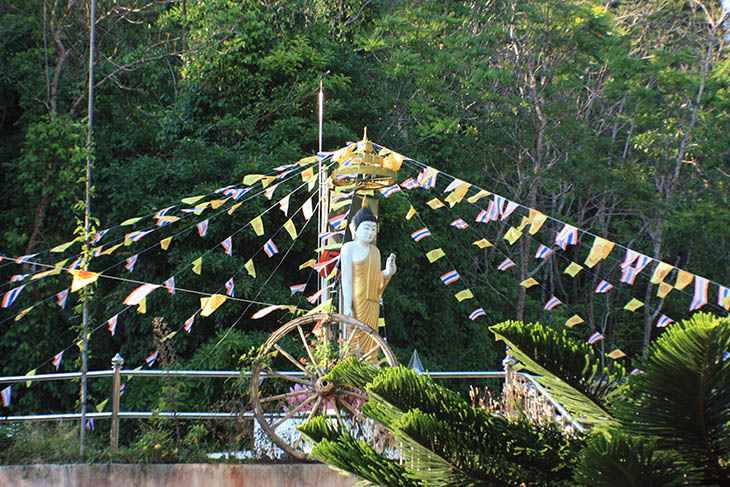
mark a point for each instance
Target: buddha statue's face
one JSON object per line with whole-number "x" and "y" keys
{"x": 366, "y": 232}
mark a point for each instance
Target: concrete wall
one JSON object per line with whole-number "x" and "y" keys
{"x": 173, "y": 475}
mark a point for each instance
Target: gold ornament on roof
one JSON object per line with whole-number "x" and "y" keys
{"x": 358, "y": 164}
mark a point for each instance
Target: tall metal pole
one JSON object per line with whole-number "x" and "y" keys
{"x": 323, "y": 195}
{"x": 87, "y": 218}
{"x": 117, "y": 363}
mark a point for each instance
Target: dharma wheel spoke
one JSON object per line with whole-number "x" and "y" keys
{"x": 284, "y": 396}
{"x": 294, "y": 411}
{"x": 291, "y": 359}
{"x": 272, "y": 373}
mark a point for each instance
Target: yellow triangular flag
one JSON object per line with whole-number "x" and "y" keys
{"x": 23, "y": 313}
{"x": 142, "y": 306}
{"x": 684, "y": 278}
{"x": 332, "y": 274}
{"x": 202, "y": 206}
{"x": 167, "y": 218}
{"x": 30, "y": 374}
{"x": 306, "y": 160}
{"x": 250, "y": 268}
{"x": 616, "y": 354}
{"x": 100, "y": 407}
{"x": 308, "y": 263}
{"x": 215, "y": 204}
{"x": 661, "y": 271}
{"x": 529, "y": 282}
{"x": 633, "y": 305}
{"x": 82, "y": 278}
{"x": 411, "y": 212}
{"x": 434, "y": 255}
{"x": 197, "y": 265}
{"x": 208, "y": 305}
{"x": 461, "y": 191}
{"x": 192, "y": 199}
{"x": 266, "y": 181}
{"x": 250, "y": 179}
{"x": 291, "y": 229}
{"x": 573, "y": 320}
{"x": 664, "y": 289}
{"x": 481, "y": 194}
{"x": 536, "y": 221}
{"x": 131, "y": 221}
{"x": 168, "y": 336}
{"x": 127, "y": 241}
{"x": 112, "y": 249}
{"x": 381, "y": 323}
{"x": 512, "y": 235}
{"x": 307, "y": 174}
{"x": 320, "y": 307}
{"x": 435, "y": 204}
{"x": 60, "y": 265}
{"x": 234, "y": 208}
{"x": 62, "y": 247}
{"x": 165, "y": 243}
{"x": 600, "y": 250}
{"x": 339, "y": 204}
{"x": 464, "y": 294}
{"x": 523, "y": 223}
{"x": 258, "y": 225}
{"x": 573, "y": 269}
{"x": 483, "y": 243}
{"x": 52, "y": 272}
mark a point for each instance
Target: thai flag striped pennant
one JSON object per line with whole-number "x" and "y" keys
{"x": 663, "y": 321}
{"x": 151, "y": 359}
{"x": 552, "y": 304}
{"x": 460, "y": 224}
{"x": 595, "y": 337}
{"x": 506, "y": 264}
{"x": 270, "y": 248}
{"x": 543, "y": 252}
{"x": 387, "y": 192}
{"x": 603, "y": 287}
{"x": 450, "y": 277}
{"x": 231, "y": 287}
{"x": 298, "y": 288}
{"x": 477, "y": 313}
{"x": 419, "y": 235}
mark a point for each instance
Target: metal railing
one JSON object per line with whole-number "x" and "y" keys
{"x": 116, "y": 372}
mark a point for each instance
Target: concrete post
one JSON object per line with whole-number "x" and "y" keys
{"x": 117, "y": 363}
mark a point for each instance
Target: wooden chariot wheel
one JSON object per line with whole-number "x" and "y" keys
{"x": 311, "y": 346}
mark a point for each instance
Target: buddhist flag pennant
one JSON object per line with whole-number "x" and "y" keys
{"x": 57, "y": 360}
{"x": 595, "y": 337}
{"x": 434, "y": 255}
{"x": 208, "y": 305}
{"x": 663, "y": 321}
{"x": 163, "y": 211}
{"x": 616, "y": 354}
{"x": 482, "y": 217}
{"x": 450, "y": 277}
{"x": 197, "y": 265}
{"x": 477, "y": 313}
{"x": 151, "y": 359}
{"x": 284, "y": 205}
{"x": 170, "y": 285}
{"x": 6, "y": 394}
{"x": 529, "y": 282}
{"x": 567, "y": 236}
{"x": 258, "y": 226}
{"x": 189, "y": 323}
{"x": 231, "y": 287}
{"x": 483, "y": 243}
{"x": 723, "y": 297}
{"x": 82, "y": 279}
{"x": 573, "y": 320}
{"x": 664, "y": 289}
{"x": 631, "y": 256}
{"x": 112, "y": 324}
{"x": 628, "y": 275}
{"x": 633, "y": 305}
{"x": 269, "y": 309}
{"x": 506, "y": 264}
{"x": 599, "y": 251}
{"x": 233, "y": 208}
{"x": 573, "y": 269}
{"x": 464, "y": 294}
{"x": 460, "y": 224}
{"x": 660, "y": 272}
{"x": 552, "y": 304}
{"x": 62, "y": 297}
{"x": 203, "y": 228}
{"x": 543, "y": 252}
{"x": 130, "y": 262}
{"x": 140, "y": 293}
{"x": 338, "y": 222}
{"x": 24, "y": 258}
{"x": 419, "y": 235}
{"x": 409, "y": 184}
{"x": 509, "y": 209}
{"x": 411, "y": 213}
{"x": 314, "y": 297}
{"x": 700, "y": 295}
{"x": 250, "y": 268}
{"x": 536, "y": 220}
{"x": 307, "y": 210}
{"x": 476, "y": 197}
{"x": 388, "y": 192}
{"x": 269, "y": 193}
{"x": 512, "y": 235}
{"x": 270, "y": 248}
{"x": 603, "y": 287}
{"x": 684, "y": 279}
{"x": 291, "y": 229}
{"x": 298, "y": 288}
{"x": 227, "y": 245}
{"x": 99, "y": 235}
{"x": 435, "y": 204}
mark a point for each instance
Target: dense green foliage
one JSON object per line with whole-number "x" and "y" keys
{"x": 609, "y": 116}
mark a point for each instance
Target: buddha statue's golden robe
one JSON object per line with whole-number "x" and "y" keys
{"x": 368, "y": 284}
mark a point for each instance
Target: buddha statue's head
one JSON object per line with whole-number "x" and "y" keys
{"x": 364, "y": 225}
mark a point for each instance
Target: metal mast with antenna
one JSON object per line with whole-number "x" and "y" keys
{"x": 323, "y": 195}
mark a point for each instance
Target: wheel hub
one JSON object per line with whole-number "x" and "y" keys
{"x": 324, "y": 387}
